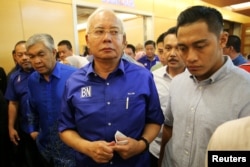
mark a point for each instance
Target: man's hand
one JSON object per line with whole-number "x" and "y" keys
{"x": 14, "y": 137}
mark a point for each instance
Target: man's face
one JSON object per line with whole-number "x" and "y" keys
{"x": 64, "y": 51}
{"x": 43, "y": 60}
{"x": 172, "y": 54}
{"x": 105, "y": 39}
{"x": 150, "y": 50}
{"x": 22, "y": 58}
{"x": 200, "y": 49}
{"x": 129, "y": 52}
{"x": 160, "y": 51}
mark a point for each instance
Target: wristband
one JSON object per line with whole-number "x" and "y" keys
{"x": 146, "y": 143}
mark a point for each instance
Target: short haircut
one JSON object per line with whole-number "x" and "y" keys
{"x": 131, "y": 47}
{"x": 65, "y": 42}
{"x": 149, "y": 42}
{"x": 99, "y": 10}
{"x": 160, "y": 38}
{"x": 18, "y": 43}
{"x": 172, "y": 30}
{"x": 46, "y": 39}
{"x": 235, "y": 42}
{"x": 211, "y": 16}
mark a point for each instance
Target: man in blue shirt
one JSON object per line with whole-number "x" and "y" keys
{"x": 45, "y": 87}
{"x": 17, "y": 95}
{"x": 108, "y": 95}
{"x": 150, "y": 59}
{"x": 232, "y": 49}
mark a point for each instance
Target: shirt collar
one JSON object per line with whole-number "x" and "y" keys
{"x": 120, "y": 68}
{"x": 56, "y": 72}
{"x": 219, "y": 74}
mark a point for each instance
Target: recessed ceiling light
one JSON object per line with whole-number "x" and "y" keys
{"x": 241, "y": 6}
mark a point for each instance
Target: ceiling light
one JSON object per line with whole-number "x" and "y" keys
{"x": 241, "y": 6}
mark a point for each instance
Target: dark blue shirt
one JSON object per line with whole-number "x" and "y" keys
{"x": 148, "y": 63}
{"x": 44, "y": 102}
{"x": 239, "y": 60}
{"x": 96, "y": 108}
{"x": 17, "y": 90}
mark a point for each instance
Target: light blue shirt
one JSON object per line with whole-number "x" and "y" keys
{"x": 196, "y": 109}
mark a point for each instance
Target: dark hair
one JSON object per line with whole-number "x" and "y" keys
{"x": 149, "y": 42}
{"x": 171, "y": 30}
{"x": 160, "y": 38}
{"x": 131, "y": 47}
{"x": 86, "y": 51}
{"x": 18, "y": 43}
{"x": 65, "y": 42}
{"x": 235, "y": 42}
{"x": 211, "y": 16}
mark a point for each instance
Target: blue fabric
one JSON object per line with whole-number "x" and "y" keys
{"x": 17, "y": 90}
{"x": 97, "y": 108}
{"x": 147, "y": 63}
{"x": 45, "y": 101}
{"x": 239, "y": 60}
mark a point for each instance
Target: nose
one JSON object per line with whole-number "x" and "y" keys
{"x": 191, "y": 56}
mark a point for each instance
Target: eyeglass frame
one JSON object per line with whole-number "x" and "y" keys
{"x": 101, "y": 32}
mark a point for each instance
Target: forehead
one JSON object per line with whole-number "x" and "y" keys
{"x": 170, "y": 38}
{"x": 193, "y": 32}
{"x": 105, "y": 19}
{"x": 36, "y": 47}
{"x": 20, "y": 46}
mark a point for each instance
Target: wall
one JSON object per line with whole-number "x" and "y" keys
{"x": 23, "y": 18}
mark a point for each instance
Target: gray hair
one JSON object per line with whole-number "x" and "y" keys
{"x": 99, "y": 10}
{"x": 46, "y": 39}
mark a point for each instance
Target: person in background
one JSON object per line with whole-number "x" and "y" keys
{"x": 75, "y": 62}
{"x": 150, "y": 59}
{"x": 94, "y": 107}
{"x": 17, "y": 95}
{"x": 5, "y": 143}
{"x": 160, "y": 49}
{"x": 130, "y": 50}
{"x": 245, "y": 66}
{"x": 232, "y": 49}
{"x": 65, "y": 50}
{"x": 201, "y": 99}
{"x": 139, "y": 51}
{"x": 230, "y": 136}
{"x": 45, "y": 88}
{"x": 163, "y": 77}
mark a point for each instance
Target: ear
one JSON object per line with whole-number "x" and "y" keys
{"x": 223, "y": 39}
{"x": 124, "y": 41}
{"x": 87, "y": 40}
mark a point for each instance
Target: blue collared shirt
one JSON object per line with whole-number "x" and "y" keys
{"x": 96, "y": 108}
{"x": 17, "y": 90}
{"x": 44, "y": 102}
{"x": 239, "y": 60}
{"x": 148, "y": 63}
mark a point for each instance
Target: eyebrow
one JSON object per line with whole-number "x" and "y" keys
{"x": 194, "y": 43}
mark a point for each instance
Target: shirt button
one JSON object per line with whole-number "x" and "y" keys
{"x": 108, "y": 103}
{"x": 111, "y": 163}
{"x": 107, "y": 83}
{"x": 109, "y": 124}
{"x": 186, "y": 152}
{"x": 192, "y": 109}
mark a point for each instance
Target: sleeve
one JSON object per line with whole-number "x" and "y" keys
{"x": 32, "y": 114}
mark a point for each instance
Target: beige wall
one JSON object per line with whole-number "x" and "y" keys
{"x": 22, "y": 18}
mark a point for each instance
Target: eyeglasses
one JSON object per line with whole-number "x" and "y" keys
{"x": 100, "y": 33}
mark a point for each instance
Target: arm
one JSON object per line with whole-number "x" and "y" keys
{"x": 99, "y": 151}
{"x": 12, "y": 115}
{"x": 134, "y": 147}
{"x": 166, "y": 135}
